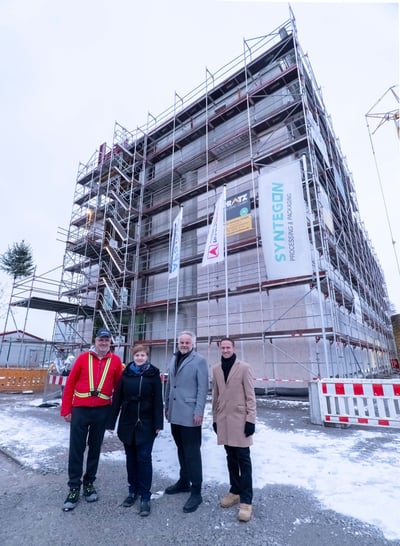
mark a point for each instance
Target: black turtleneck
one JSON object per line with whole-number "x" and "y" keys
{"x": 227, "y": 364}
{"x": 180, "y": 358}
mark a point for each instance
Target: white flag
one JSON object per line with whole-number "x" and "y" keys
{"x": 215, "y": 245}
{"x": 175, "y": 254}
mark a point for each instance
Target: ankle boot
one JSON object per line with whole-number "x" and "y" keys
{"x": 245, "y": 511}
{"x": 144, "y": 508}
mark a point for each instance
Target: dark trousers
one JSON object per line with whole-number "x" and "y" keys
{"x": 188, "y": 442}
{"x": 87, "y": 428}
{"x": 240, "y": 474}
{"x": 139, "y": 468}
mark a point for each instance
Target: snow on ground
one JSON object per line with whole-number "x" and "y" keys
{"x": 354, "y": 474}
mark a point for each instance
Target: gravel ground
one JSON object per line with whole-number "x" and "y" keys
{"x": 30, "y": 509}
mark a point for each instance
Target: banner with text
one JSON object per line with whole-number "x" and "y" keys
{"x": 283, "y": 223}
{"x": 238, "y": 214}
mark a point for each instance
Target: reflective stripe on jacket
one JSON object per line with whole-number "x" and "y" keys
{"x": 95, "y": 391}
{"x": 78, "y": 381}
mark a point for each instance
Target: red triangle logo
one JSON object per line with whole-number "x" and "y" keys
{"x": 213, "y": 251}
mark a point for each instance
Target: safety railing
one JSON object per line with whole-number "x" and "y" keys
{"x": 365, "y": 402}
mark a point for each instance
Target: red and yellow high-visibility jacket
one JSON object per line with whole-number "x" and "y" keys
{"x": 91, "y": 382}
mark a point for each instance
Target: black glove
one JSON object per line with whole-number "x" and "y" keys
{"x": 249, "y": 429}
{"x": 215, "y": 427}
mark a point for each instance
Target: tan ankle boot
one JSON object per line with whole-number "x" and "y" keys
{"x": 245, "y": 511}
{"x": 230, "y": 499}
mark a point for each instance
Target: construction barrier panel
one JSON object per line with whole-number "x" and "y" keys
{"x": 366, "y": 402}
{"x": 20, "y": 380}
{"x": 53, "y": 387}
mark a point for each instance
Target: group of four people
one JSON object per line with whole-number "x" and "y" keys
{"x": 99, "y": 391}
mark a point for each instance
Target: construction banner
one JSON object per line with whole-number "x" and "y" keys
{"x": 283, "y": 224}
{"x": 238, "y": 215}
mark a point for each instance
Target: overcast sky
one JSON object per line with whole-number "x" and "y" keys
{"x": 69, "y": 70}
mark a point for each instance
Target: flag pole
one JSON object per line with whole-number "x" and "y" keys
{"x": 226, "y": 267}
{"x": 176, "y": 309}
{"x": 215, "y": 250}
{"x": 178, "y": 235}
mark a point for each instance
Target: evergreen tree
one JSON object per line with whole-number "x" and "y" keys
{"x": 17, "y": 261}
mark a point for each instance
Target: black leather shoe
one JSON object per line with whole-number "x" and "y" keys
{"x": 144, "y": 508}
{"x": 178, "y": 487}
{"x": 130, "y": 500}
{"x": 192, "y": 503}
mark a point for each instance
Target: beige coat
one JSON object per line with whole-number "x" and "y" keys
{"x": 233, "y": 403}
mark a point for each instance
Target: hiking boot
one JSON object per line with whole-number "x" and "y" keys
{"x": 130, "y": 500}
{"x": 230, "y": 499}
{"x": 72, "y": 500}
{"x": 90, "y": 493}
{"x": 192, "y": 503}
{"x": 178, "y": 487}
{"x": 144, "y": 508}
{"x": 245, "y": 511}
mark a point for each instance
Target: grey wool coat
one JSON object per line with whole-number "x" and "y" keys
{"x": 233, "y": 403}
{"x": 186, "y": 390}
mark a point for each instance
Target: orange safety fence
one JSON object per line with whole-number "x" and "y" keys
{"x": 19, "y": 380}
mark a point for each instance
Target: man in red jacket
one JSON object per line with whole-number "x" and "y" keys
{"x": 86, "y": 404}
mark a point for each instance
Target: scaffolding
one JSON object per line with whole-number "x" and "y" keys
{"x": 260, "y": 111}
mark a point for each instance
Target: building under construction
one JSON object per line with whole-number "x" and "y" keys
{"x": 298, "y": 287}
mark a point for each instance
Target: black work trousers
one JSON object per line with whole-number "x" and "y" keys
{"x": 240, "y": 472}
{"x": 88, "y": 426}
{"x": 188, "y": 443}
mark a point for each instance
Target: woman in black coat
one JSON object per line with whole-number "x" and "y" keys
{"x": 138, "y": 400}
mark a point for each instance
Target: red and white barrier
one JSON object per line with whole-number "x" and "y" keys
{"x": 57, "y": 380}
{"x": 368, "y": 402}
{"x": 275, "y": 380}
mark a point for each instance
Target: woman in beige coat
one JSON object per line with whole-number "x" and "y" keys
{"x": 234, "y": 416}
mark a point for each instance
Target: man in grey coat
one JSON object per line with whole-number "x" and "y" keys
{"x": 185, "y": 400}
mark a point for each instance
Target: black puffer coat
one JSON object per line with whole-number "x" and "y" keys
{"x": 139, "y": 399}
